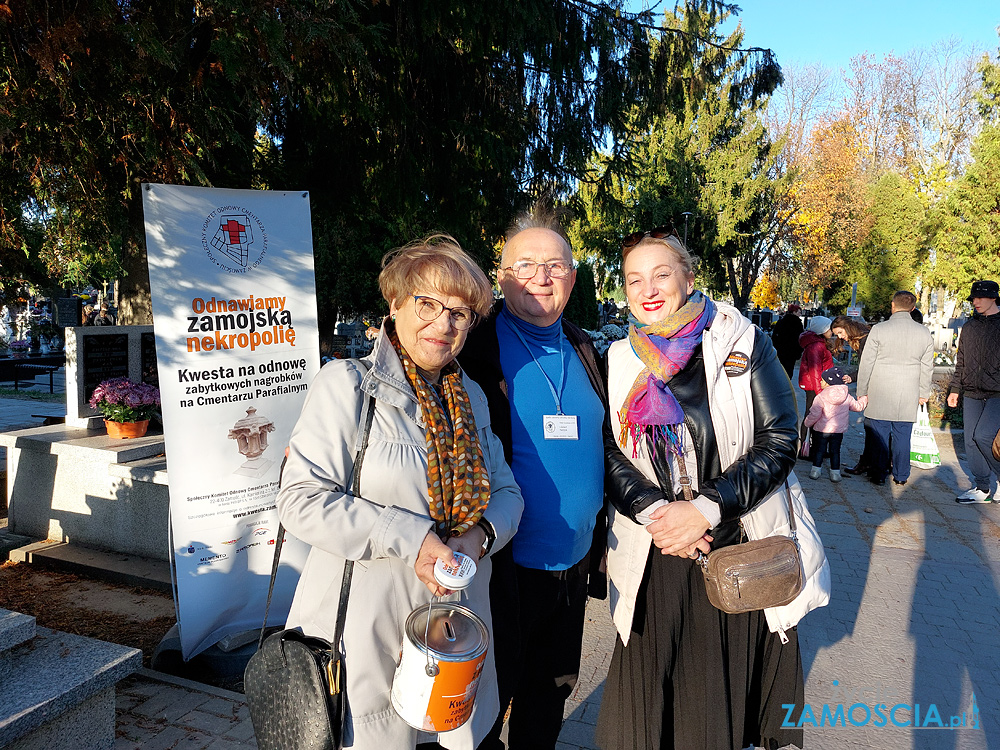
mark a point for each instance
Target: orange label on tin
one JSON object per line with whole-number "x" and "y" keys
{"x": 454, "y": 693}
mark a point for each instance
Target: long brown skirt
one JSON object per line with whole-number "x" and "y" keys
{"x": 694, "y": 677}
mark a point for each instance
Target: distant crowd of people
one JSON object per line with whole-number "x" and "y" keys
{"x": 893, "y": 382}
{"x": 101, "y": 315}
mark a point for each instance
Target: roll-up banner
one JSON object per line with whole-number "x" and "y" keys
{"x": 234, "y": 315}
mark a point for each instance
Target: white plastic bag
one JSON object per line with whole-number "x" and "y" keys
{"x": 924, "y": 452}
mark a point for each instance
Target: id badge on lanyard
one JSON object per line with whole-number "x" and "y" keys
{"x": 560, "y": 427}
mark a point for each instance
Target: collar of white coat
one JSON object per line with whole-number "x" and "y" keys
{"x": 386, "y": 381}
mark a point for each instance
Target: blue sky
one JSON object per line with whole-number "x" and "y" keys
{"x": 830, "y": 33}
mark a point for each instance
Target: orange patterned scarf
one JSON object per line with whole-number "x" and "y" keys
{"x": 458, "y": 483}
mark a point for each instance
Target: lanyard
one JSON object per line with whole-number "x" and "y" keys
{"x": 556, "y": 395}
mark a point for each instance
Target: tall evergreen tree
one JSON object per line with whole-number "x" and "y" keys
{"x": 704, "y": 165}
{"x": 967, "y": 228}
{"x": 399, "y": 116}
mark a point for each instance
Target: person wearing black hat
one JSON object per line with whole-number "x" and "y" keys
{"x": 977, "y": 379}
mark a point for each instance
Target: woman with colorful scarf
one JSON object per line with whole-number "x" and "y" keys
{"x": 704, "y": 429}
{"x": 433, "y": 481}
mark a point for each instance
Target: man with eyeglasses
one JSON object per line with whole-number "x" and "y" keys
{"x": 546, "y": 396}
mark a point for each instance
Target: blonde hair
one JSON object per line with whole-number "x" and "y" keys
{"x": 437, "y": 262}
{"x": 687, "y": 261}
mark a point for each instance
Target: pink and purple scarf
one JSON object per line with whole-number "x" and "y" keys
{"x": 664, "y": 348}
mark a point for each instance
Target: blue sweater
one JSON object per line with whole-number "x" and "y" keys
{"x": 562, "y": 481}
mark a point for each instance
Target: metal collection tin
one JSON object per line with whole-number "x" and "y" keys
{"x": 434, "y": 687}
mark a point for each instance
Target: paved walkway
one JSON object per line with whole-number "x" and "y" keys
{"x": 157, "y": 712}
{"x": 914, "y": 619}
{"x": 16, "y": 414}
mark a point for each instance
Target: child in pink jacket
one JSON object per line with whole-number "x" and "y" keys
{"x": 828, "y": 418}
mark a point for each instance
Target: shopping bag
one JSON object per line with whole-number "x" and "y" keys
{"x": 806, "y": 449}
{"x": 924, "y": 452}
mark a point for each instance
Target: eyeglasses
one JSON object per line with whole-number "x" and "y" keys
{"x": 526, "y": 269}
{"x": 657, "y": 234}
{"x": 430, "y": 309}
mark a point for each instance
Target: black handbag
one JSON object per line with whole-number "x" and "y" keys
{"x": 296, "y": 685}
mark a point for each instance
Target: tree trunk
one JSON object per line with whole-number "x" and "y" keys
{"x": 135, "y": 306}
{"x": 739, "y": 298}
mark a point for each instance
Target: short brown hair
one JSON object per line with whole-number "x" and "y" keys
{"x": 688, "y": 262}
{"x": 904, "y": 301}
{"x": 438, "y": 262}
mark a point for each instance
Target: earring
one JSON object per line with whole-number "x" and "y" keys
{"x": 393, "y": 318}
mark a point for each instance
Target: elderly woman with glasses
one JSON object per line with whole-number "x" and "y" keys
{"x": 704, "y": 431}
{"x": 433, "y": 482}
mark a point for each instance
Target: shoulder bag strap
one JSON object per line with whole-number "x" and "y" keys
{"x": 345, "y": 586}
{"x": 368, "y": 413}
{"x": 685, "y": 482}
{"x": 791, "y": 512}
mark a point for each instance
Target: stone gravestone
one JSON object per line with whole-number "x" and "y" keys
{"x": 95, "y": 354}
{"x": 69, "y": 312}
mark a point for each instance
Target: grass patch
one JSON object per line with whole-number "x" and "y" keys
{"x": 29, "y": 395}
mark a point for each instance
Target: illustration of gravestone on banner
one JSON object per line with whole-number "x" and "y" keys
{"x": 250, "y": 434}
{"x": 96, "y": 354}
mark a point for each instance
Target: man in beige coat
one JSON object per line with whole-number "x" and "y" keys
{"x": 895, "y": 373}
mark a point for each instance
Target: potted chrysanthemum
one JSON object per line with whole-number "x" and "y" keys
{"x": 19, "y": 348}
{"x": 126, "y": 405}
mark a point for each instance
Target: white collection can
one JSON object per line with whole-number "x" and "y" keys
{"x": 434, "y": 687}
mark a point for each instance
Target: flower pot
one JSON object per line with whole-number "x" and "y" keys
{"x": 126, "y": 429}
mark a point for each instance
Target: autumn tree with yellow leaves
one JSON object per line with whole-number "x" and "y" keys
{"x": 765, "y": 292}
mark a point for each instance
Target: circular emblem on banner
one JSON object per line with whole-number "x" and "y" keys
{"x": 234, "y": 239}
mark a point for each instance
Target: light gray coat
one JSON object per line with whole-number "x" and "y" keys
{"x": 896, "y": 368}
{"x": 382, "y": 530}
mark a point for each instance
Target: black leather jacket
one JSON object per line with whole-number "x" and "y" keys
{"x": 750, "y": 479}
